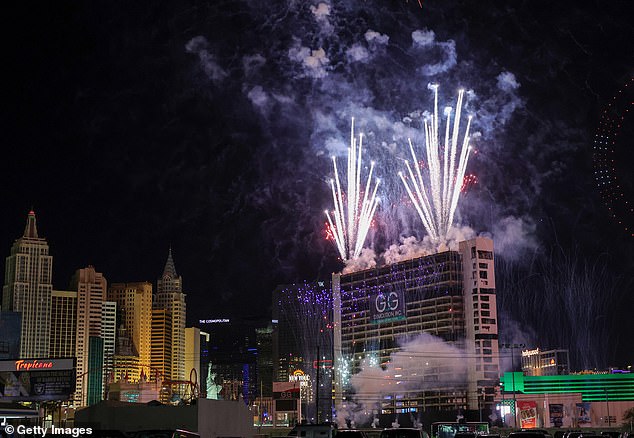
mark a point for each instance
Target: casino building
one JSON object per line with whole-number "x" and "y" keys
{"x": 450, "y": 295}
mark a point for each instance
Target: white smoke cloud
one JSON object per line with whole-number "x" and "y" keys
{"x": 423, "y": 37}
{"x": 198, "y": 45}
{"x": 358, "y": 53}
{"x": 444, "y": 52}
{"x": 258, "y": 97}
{"x": 366, "y": 260}
{"x": 507, "y": 81}
{"x": 321, "y": 13}
{"x": 406, "y": 371}
{"x": 314, "y": 62}
{"x": 372, "y": 36}
{"x": 494, "y": 112}
{"x": 410, "y": 247}
{"x": 513, "y": 236}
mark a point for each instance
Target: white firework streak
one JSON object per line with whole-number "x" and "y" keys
{"x": 353, "y": 218}
{"x": 436, "y": 200}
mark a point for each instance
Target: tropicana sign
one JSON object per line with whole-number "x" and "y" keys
{"x": 26, "y": 365}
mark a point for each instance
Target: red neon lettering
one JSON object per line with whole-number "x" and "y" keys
{"x": 24, "y": 365}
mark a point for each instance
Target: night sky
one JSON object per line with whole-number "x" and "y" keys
{"x": 130, "y": 127}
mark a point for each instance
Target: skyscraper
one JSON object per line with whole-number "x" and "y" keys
{"x": 192, "y": 354}
{"x": 27, "y": 289}
{"x": 449, "y": 295}
{"x": 90, "y": 287}
{"x": 134, "y": 308}
{"x": 170, "y": 297}
{"x": 63, "y": 323}
{"x": 161, "y": 360}
{"x": 108, "y": 333}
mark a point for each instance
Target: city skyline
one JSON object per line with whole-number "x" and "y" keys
{"x": 208, "y": 129}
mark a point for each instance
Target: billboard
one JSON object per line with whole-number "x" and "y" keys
{"x": 286, "y": 396}
{"x": 528, "y": 414}
{"x": 556, "y": 412}
{"x": 286, "y": 390}
{"x": 583, "y": 414}
{"x": 37, "y": 379}
{"x": 387, "y": 306}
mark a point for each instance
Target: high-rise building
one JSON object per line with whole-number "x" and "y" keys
{"x": 91, "y": 288}
{"x": 302, "y": 343}
{"x": 63, "y": 323}
{"x": 449, "y": 295}
{"x": 94, "y": 387}
{"x": 126, "y": 359}
{"x": 192, "y": 354}
{"x": 481, "y": 321}
{"x": 170, "y": 297}
{"x": 204, "y": 363}
{"x": 161, "y": 360}
{"x": 108, "y": 333}
{"x": 264, "y": 339}
{"x": 232, "y": 357}
{"x": 27, "y": 289}
{"x": 134, "y": 309}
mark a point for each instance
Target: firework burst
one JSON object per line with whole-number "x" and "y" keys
{"x": 436, "y": 198}
{"x": 354, "y": 208}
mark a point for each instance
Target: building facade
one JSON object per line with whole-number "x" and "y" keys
{"x": 570, "y": 400}
{"x": 134, "y": 309}
{"x": 108, "y": 333}
{"x": 393, "y": 308}
{"x": 161, "y": 359}
{"x": 171, "y": 299}
{"x": 481, "y": 321}
{"x": 63, "y": 324}
{"x": 192, "y": 355}
{"x": 125, "y": 364}
{"x": 91, "y": 289}
{"x": 536, "y": 362}
{"x": 302, "y": 344}
{"x": 28, "y": 288}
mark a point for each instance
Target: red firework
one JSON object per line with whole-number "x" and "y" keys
{"x": 468, "y": 182}
{"x": 328, "y": 234}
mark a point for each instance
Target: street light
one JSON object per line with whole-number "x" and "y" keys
{"x": 512, "y": 347}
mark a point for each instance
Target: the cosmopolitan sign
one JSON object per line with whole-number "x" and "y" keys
{"x": 387, "y": 306}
